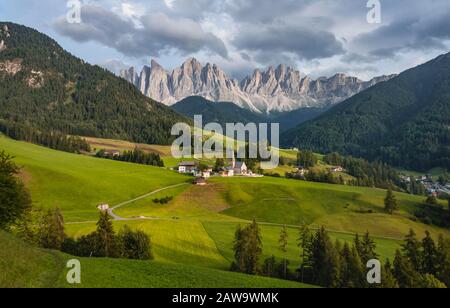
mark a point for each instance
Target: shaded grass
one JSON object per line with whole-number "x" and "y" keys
{"x": 173, "y": 241}
{"x": 99, "y": 273}
{"x": 25, "y": 266}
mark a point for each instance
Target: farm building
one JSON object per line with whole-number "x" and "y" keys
{"x": 103, "y": 207}
{"x": 187, "y": 167}
{"x": 111, "y": 153}
{"x": 201, "y": 181}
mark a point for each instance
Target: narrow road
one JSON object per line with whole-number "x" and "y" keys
{"x": 117, "y": 217}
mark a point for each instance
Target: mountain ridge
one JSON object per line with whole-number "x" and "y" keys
{"x": 45, "y": 88}
{"x": 277, "y": 89}
{"x": 404, "y": 121}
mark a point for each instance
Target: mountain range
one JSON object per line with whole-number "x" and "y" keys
{"x": 278, "y": 89}
{"x": 404, "y": 121}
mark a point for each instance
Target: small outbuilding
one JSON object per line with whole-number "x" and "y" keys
{"x": 201, "y": 181}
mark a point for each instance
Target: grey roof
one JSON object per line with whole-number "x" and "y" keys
{"x": 188, "y": 164}
{"x": 239, "y": 164}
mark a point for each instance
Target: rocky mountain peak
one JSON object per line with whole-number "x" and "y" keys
{"x": 280, "y": 88}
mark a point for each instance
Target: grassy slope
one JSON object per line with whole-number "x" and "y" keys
{"x": 197, "y": 227}
{"x": 142, "y": 274}
{"x": 78, "y": 184}
{"x": 334, "y": 206}
{"x": 22, "y": 265}
{"x": 173, "y": 241}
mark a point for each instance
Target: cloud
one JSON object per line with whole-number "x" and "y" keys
{"x": 157, "y": 34}
{"x": 420, "y": 32}
{"x": 114, "y": 66}
{"x": 312, "y": 35}
{"x": 287, "y": 41}
{"x": 262, "y": 11}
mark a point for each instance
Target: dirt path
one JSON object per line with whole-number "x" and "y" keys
{"x": 117, "y": 217}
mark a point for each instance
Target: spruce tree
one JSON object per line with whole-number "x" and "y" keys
{"x": 239, "y": 250}
{"x": 390, "y": 202}
{"x": 368, "y": 247}
{"x": 411, "y": 249}
{"x": 305, "y": 241}
{"x": 254, "y": 248}
{"x": 106, "y": 245}
{"x": 282, "y": 245}
{"x": 388, "y": 280}
{"x": 352, "y": 268}
{"x": 429, "y": 255}
{"x": 325, "y": 260}
{"x": 443, "y": 262}
{"x": 404, "y": 272}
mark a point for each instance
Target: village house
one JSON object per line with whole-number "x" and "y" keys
{"x": 187, "y": 167}
{"x": 103, "y": 207}
{"x": 227, "y": 172}
{"x": 207, "y": 173}
{"x": 111, "y": 153}
{"x": 301, "y": 171}
{"x": 337, "y": 169}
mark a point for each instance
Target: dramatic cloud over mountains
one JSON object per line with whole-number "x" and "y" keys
{"x": 316, "y": 36}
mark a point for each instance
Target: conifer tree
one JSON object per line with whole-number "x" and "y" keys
{"x": 388, "y": 280}
{"x": 254, "y": 248}
{"x": 390, "y": 202}
{"x": 368, "y": 246}
{"x": 239, "y": 248}
{"x": 325, "y": 260}
{"x": 429, "y": 255}
{"x": 106, "y": 245}
{"x": 283, "y": 242}
{"x": 411, "y": 249}
{"x": 443, "y": 262}
{"x": 404, "y": 272}
{"x": 305, "y": 241}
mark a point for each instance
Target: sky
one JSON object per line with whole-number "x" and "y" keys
{"x": 316, "y": 37}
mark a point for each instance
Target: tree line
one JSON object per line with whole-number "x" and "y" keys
{"x": 135, "y": 156}
{"x": 368, "y": 174}
{"x": 53, "y": 140}
{"x": 419, "y": 264}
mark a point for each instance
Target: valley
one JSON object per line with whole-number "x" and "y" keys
{"x": 197, "y": 227}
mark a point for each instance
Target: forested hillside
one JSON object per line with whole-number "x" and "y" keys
{"x": 404, "y": 122}
{"x": 44, "y": 88}
{"x": 223, "y": 112}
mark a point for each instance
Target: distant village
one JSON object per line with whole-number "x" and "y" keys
{"x": 433, "y": 188}
{"x": 236, "y": 168}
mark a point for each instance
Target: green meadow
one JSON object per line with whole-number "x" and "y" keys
{"x": 78, "y": 184}
{"x": 194, "y": 232}
{"x": 23, "y": 266}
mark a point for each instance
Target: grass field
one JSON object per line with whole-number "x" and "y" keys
{"x": 194, "y": 232}
{"x": 78, "y": 184}
{"x": 24, "y": 266}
